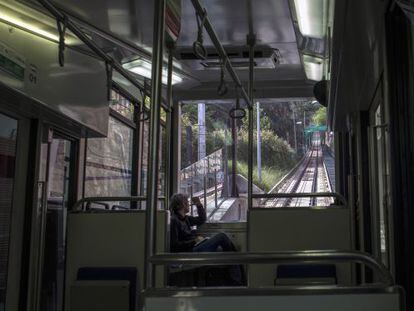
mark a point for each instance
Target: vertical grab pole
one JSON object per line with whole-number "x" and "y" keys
{"x": 152, "y": 189}
{"x": 215, "y": 189}
{"x": 251, "y": 41}
{"x": 205, "y": 191}
{"x": 168, "y": 127}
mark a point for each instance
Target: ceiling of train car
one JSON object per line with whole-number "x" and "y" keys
{"x": 132, "y": 21}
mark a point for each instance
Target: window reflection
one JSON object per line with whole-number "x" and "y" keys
{"x": 109, "y": 163}
{"x": 8, "y": 134}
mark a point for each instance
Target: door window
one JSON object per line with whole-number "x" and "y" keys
{"x": 58, "y": 193}
{"x": 382, "y": 171}
{"x": 8, "y": 134}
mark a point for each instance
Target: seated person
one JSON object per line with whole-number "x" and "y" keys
{"x": 183, "y": 239}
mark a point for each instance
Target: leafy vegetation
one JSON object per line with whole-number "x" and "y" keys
{"x": 270, "y": 175}
{"x": 282, "y": 128}
{"x": 319, "y": 118}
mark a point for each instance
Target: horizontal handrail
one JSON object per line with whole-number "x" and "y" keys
{"x": 336, "y": 195}
{"x": 201, "y": 11}
{"x": 79, "y": 203}
{"x": 316, "y": 256}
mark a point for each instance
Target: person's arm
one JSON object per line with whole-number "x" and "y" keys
{"x": 202, "y": 217}
{"x": 176, "y": 244}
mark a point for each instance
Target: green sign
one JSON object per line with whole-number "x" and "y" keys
{"x": 11, "y": 63}
{"x": 315, "y": 128}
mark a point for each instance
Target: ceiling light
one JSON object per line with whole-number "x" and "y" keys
{"x": 144, "y": 68}
{"x": 312, "y": 17}
{"x": 23, "y": 17}
{"x": 17, "y": 22}
{"x": 313, "y": 67}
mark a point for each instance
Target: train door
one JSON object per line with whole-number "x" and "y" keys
{"x": 380, "y": 182}
{"x": 14, "y": 136}
{"x": 57, "y": 167}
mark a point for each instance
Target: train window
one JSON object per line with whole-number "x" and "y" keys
{"x": 121, "y": 105}
{"x": 382, "y": 183}
{"x": 8, "y": 134}
{"x": 293, "y": 153}
{"x": 60, "y": 160}
{"x": 144, "y": 143}
{"x": 143, "y": 148}
{"x": 289, "y": 146}
{"x": 109, "y": 162}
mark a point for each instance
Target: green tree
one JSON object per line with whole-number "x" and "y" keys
{"x": 265, "y": 122}
{"x": 319, "y": 118}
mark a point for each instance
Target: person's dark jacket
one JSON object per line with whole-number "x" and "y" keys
{"x": 182, "y": 237}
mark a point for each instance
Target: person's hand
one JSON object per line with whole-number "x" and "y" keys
{"x": 196, "y": 201}
{"x": 199, "y": 239}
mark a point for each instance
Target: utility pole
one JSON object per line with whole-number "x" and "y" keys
{"x": 259, "y": 144}
{"x": 294, "y": 131}
{"x": 304, "y": 139}
{"x": 201, "y": 131}
{"x": 234, "y": 191}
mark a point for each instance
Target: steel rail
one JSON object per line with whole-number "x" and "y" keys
{"x": 300, "y": 179}
{"x": 219, "y": 47}
{"x": 315, "y": 256}
{"x": 315, "y": 177}
{"x": 79, "y": 203}
{"x": 288, "y": 176}
{"x": 336, "y": 195}
{"x": 298, "y": 175}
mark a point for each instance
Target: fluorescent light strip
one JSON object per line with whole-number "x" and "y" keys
{"x": 144, "y": 68}
{"x": 310, "y": 15}
{"x": 303, "y": 15}
{"x": 313, "y": 68}
{"x": 26, "y": 26}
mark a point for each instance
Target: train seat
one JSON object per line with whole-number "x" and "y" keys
{"x": 281, "y": 299}
{"x": 104, "y": 288}
{"x": 298, "y": 229}
{"x": 109, "y": 239}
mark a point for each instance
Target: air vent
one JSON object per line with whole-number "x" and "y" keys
{"x": 235, "y": 64}
{"x": 264, "y": 57}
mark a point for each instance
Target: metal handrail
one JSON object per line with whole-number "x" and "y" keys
{"x": 77, "y": 31}
{"x": 336, "y": 195}
{"x": 318, "y": 256}
{"x": 201, "y": 11}
{"x": 79, "y": 203}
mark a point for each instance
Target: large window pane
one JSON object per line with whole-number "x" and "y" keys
{"x": 8, "y": 132}
{"x": 121, "y": 105}
{"x": 144, "y": 157}
{"x": 109, "y": 163}
{"x": 144, "y": 162}
{"x": 292, "y": 153}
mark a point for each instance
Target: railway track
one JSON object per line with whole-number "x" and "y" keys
{"x": 308, "y": 176}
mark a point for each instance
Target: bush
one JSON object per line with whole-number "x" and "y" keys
{"x": 270, "y": 175}
{"x": 275, "y": 151}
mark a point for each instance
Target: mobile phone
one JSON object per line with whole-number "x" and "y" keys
{"x": 195, "y": 200}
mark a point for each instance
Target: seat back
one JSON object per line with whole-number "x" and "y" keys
{"x": 114, "y": 239}
{"x": 306, "y": 274}
{"x": 297, "y": 229}
{"x": 343, "y": 299}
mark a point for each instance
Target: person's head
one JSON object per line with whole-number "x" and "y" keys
{"x": 179, "y": 204}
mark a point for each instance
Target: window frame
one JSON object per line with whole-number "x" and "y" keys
{"x": 138, "y": 140}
